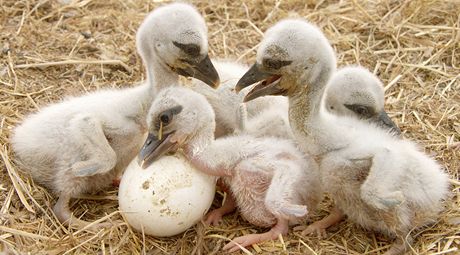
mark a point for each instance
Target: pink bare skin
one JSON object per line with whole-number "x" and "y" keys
{"x": 214, "y": 217}
{"x": 281, "y": 227}
{"x": 319, "y": 227}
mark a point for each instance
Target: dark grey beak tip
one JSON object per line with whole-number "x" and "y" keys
{"x": 206, "y": 72}
{"x": 249, "y": 97}
{"x": 203, "y": 71}
{"x": 396, "y": 130}
{"x": 386, "y": 121}
{"x": 141, "y": 163}
{"x": 153, "y": 149}
{"x": 239, "y": 87}
{"x": 249, "y": 78}
{"x": 150, "y": 144}
{"x": 216, "y": 83}
{"x": 253, "y": 75}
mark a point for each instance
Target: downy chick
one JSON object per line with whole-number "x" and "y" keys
{"x": 81, "y": 144}
{"x": 263, "y": 174}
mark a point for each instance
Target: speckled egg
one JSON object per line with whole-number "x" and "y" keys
{"x": 167, "y": 197}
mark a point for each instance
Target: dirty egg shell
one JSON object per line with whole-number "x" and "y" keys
{"x": 166, "y": 198}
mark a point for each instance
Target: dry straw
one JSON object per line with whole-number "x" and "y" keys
{"x": 49, "y": 50}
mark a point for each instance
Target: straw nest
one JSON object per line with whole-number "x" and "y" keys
{"x": 51, "y": 49}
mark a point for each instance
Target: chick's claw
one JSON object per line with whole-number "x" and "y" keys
{"x": 244, "y": 241}
{"x": 315, "y": 228}
{"x": 319, "y": 227}
{"x": 213, "y": 218}
{"x": 281, "y": 228}
{"x": 116, "y": 182}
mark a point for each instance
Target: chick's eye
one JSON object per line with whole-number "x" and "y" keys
{"x": 362, "y": 110}
{"x": 275, "y": 64}
{"x": 164, "y": 118}
{"x": 190, "y": 49}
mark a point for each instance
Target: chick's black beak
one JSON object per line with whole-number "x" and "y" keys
{"x": 253, "y": 75}
{"x": 203, "y": 70}
{"x": 385, "y": 121}
{"x": 268, "y": 85}
{"x": 154, "y": 148}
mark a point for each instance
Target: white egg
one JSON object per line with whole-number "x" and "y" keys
{"x": 167, "y": 197}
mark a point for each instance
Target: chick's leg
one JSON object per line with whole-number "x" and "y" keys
{"x": 99, "y": 157}
{"x": 319, "y": 227}
{"x": 62, "y": 211}
{"x": 215, "y": 216}
{"x": 281, "y": 228}
{"x": 64, "y": 215}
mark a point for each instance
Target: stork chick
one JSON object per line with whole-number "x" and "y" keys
{"x": 262, "y": 174}
{"x": 81, "y": 144}
{"x": 357, "y": 92}
{"x": 378, "y": 180}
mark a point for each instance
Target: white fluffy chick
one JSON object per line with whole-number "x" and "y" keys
{"x": 378, "y": 180}
{"x": 81, "y": 144}
{"x": 262, "y": 174}
{"x": 357, "y": 93}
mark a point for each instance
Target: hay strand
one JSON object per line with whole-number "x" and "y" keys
{"x": 16, "y": 180}
{"x": 75, "y": 62}
{"x": 26, "y": 234}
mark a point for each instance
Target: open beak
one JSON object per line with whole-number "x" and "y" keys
{"x": 203, "y": 70}
{"x": 384, "y": 120}
{"x": 268, "y": 83}
{"x": 154, "y": 149}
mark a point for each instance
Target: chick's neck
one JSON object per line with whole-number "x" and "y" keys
{"x": 305, "y": 111}
{"x": 160, "y": 76}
